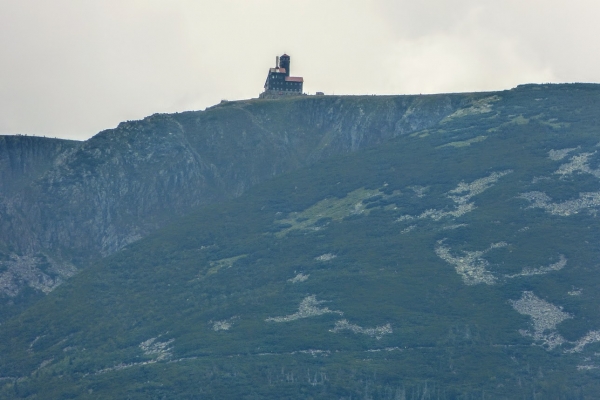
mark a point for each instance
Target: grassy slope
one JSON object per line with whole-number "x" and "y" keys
{"x": 448, "y": 338}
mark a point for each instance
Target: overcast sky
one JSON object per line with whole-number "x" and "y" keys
{"x": 71, "y": 68}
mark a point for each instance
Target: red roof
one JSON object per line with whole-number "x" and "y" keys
{"x": 294, "y": 79}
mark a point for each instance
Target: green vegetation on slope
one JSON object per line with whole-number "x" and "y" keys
{"x": 408, "y": 269}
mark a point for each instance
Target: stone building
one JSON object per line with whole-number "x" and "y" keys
{"x": 279, "y": 82}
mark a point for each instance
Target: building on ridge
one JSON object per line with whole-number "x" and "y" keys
{"x": 279, "y": 83}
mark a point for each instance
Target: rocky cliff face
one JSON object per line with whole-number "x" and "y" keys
{"x": 65, "y": 203}
{"x": 25, "y": 158}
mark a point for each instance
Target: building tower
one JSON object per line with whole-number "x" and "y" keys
{"x": 284, "y": 62}
{"x": 279, "y": 83}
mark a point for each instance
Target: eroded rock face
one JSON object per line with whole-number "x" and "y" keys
{"x": 74, "y": 201}
{"x": 37, "y": 272}
{"x": 26, "y": 158}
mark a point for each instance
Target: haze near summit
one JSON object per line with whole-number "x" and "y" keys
{"x": 70, "y": 68}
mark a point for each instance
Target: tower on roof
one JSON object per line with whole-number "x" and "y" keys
{"x": 279, "y": 83}
{"x": 284, "y": 62}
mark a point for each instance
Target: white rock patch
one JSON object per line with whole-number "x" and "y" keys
{"x": 325, "y": 257}
{"x": 408, "y": 229}
{"x": 542, "y": 200}
{"x": 419, "y": 190}
{"x": 528, "y": 271}
{"x": 309, "y": 307}
{"x": 545, "y": 317}
{"x": 223, "y": 325}
{"x": 590, "y": 337}
{"x": 299, "y": 278}
{"x": 472, "y": 267}
{"x": 556, "y": 155}
{"x": 461, "y": 195}
{"x": 586, "y": 367}
{"x": 159, "y": 350}
{"x": 452, "y": 227}
{"x": 578, "y": 163}
{"x": 465, "y": 191}
{"x": 376, "y": 332}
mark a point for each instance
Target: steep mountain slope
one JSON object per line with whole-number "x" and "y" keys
{"x": 26, "y": 158}
{"x": 23, "y": 160}
{"x": 126, "y": 182}
{"x": 457, "y": 262}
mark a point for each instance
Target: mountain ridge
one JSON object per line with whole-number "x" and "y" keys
{"x": 101, "y": 194}
{"x": 456, "y": 263}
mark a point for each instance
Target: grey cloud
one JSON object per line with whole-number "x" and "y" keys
{"x": 71, "y": 68}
